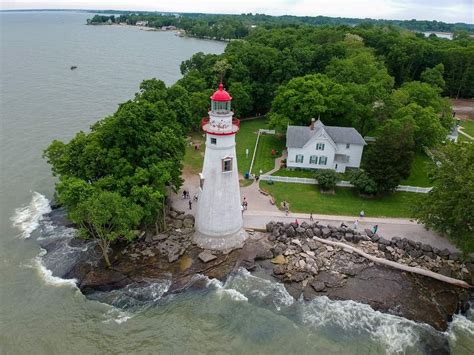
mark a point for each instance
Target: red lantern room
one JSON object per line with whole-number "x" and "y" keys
{"x": 220, "y": 100}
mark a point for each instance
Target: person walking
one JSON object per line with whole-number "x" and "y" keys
{"x": 362, "y": 214}
{"x": 311, "y": 219}
{"x": 190, "y": 205}
{"x": 376, "y": 228}
{"x": 356, "y": 224}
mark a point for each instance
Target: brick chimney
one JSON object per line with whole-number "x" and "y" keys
{"x": 311, "y": 126}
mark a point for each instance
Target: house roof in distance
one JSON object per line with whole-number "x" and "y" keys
{"x": 298, "y": 136}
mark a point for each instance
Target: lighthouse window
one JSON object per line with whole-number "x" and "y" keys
{"x": 213, "y": 140}
{"x": 226, "y": 165}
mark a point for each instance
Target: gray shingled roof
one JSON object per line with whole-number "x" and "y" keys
{"x": 298, "y": 136}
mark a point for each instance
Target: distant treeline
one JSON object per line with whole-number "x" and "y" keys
{"x": 238, "y": 26}
{"x": 405, "y": 54}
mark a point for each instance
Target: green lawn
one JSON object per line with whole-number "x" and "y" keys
{"x": 245, "y": 139}
{"x": 264, "y": 160}
{"x": 193, "y": 159}
{"x": 307, "y": 198}
{"x": 468, "y": 127}
{"x": 419, "y": 171}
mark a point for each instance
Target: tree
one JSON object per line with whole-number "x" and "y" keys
{"x": 129, "y": 159}
{"x": 310, "y": 96}
{"x": 389, "y": 159}
{"x": 106, "y": 216}
{"x": 327, "y": 179}
{"x": 241, "y": 100}
{"x": 434, "y": 76}
{"x": 363, "y": 183}
{"x": 428, "y": 131}
{"x": 449, "y": 206}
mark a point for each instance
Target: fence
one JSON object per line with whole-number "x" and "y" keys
{"x": 297, "y": 180}
{"x": 260, "y": 131}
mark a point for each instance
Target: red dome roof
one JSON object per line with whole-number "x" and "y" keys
{"x": 221, "y": 94}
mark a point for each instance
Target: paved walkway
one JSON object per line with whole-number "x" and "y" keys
{"x": 261, "y": 211}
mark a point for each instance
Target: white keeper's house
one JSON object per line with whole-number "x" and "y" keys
{"x": 324, "y": 147}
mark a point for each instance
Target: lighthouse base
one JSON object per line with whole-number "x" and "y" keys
{"x": 223, "y": 243}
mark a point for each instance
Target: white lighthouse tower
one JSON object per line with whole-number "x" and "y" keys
{"x": 219, "y": 223}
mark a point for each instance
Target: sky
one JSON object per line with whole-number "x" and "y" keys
{"x": 441, "y": 10}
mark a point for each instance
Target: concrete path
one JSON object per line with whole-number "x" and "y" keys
{"x": 261, "y": 211}
{"x": 277, "y": 166}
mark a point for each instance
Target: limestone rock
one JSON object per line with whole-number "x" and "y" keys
{"x": 206, "y": 256}
{"x": 318, "y": 286}
{"x": 280, "y": 260}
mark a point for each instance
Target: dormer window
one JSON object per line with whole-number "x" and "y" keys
{"x": 226, "y": 165}
{"x": 319, "y": 146}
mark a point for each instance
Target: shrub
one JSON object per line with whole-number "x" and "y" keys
{"x": 326, "y": 179}
{"x": 362, "y": 182}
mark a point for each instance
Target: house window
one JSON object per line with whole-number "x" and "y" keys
{"x": 348, "y": 146}
{"x": 319, "y": 146}
{"x": 313, "y": 159}
{"x": 213, "y": 140}
{"x": 299, "y": 158}
{"x": 226, "y": 165}
{"x": 323, "y": 160}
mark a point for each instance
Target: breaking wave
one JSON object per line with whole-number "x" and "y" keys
{"x": 395, "y": 333}
{"x": 47, "y": 275}
{"x": 27, "y": 218}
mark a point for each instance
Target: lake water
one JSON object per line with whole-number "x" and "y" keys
{"x": 41, "y": 100}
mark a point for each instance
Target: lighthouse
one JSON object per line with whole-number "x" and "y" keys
{"x": 219, "y": 223}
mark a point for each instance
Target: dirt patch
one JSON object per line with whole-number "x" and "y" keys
{"x": 464, "y": 108}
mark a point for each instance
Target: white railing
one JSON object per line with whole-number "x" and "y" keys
{"x": 266, "y": 131}
{"x": 423, "y": 190}
{"x": 342, "y": 183}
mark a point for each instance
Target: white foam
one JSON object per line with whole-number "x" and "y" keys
{"x": 224, "y": 290}
{"x": 47, "y": 275}
{"x": 116, "y": 315}
{"x": 27, "y": 218}
{"x": 395, "y": 333}
{"x": 460, "y": 325}
{"x": 255, "y": 287}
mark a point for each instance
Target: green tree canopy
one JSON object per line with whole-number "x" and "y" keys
{"x": 130, "y": 158}
{"x": 310, "y": 96}
{"x": 389, "y": 159}
{"x": 449, "y": 206}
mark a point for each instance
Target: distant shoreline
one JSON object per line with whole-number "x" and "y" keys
{"x": 178, "y": 32}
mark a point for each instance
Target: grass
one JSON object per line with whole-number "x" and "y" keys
{"x": 346, "y": 202}
{"x": 245, "y": 139}
{"x": 468, "y": 127}
{"x": 193, "y": 159}
{"x": 419, "y": 171}
{"x": 264, "y": 160}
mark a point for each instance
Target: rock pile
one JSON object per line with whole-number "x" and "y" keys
{"x": 171, "y": 243}
{"x": 304, "y": 257}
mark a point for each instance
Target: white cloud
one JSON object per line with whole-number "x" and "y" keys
{"x": 444, "y": 10}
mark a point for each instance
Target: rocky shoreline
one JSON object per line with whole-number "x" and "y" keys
{"x": 288, "y": 254}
